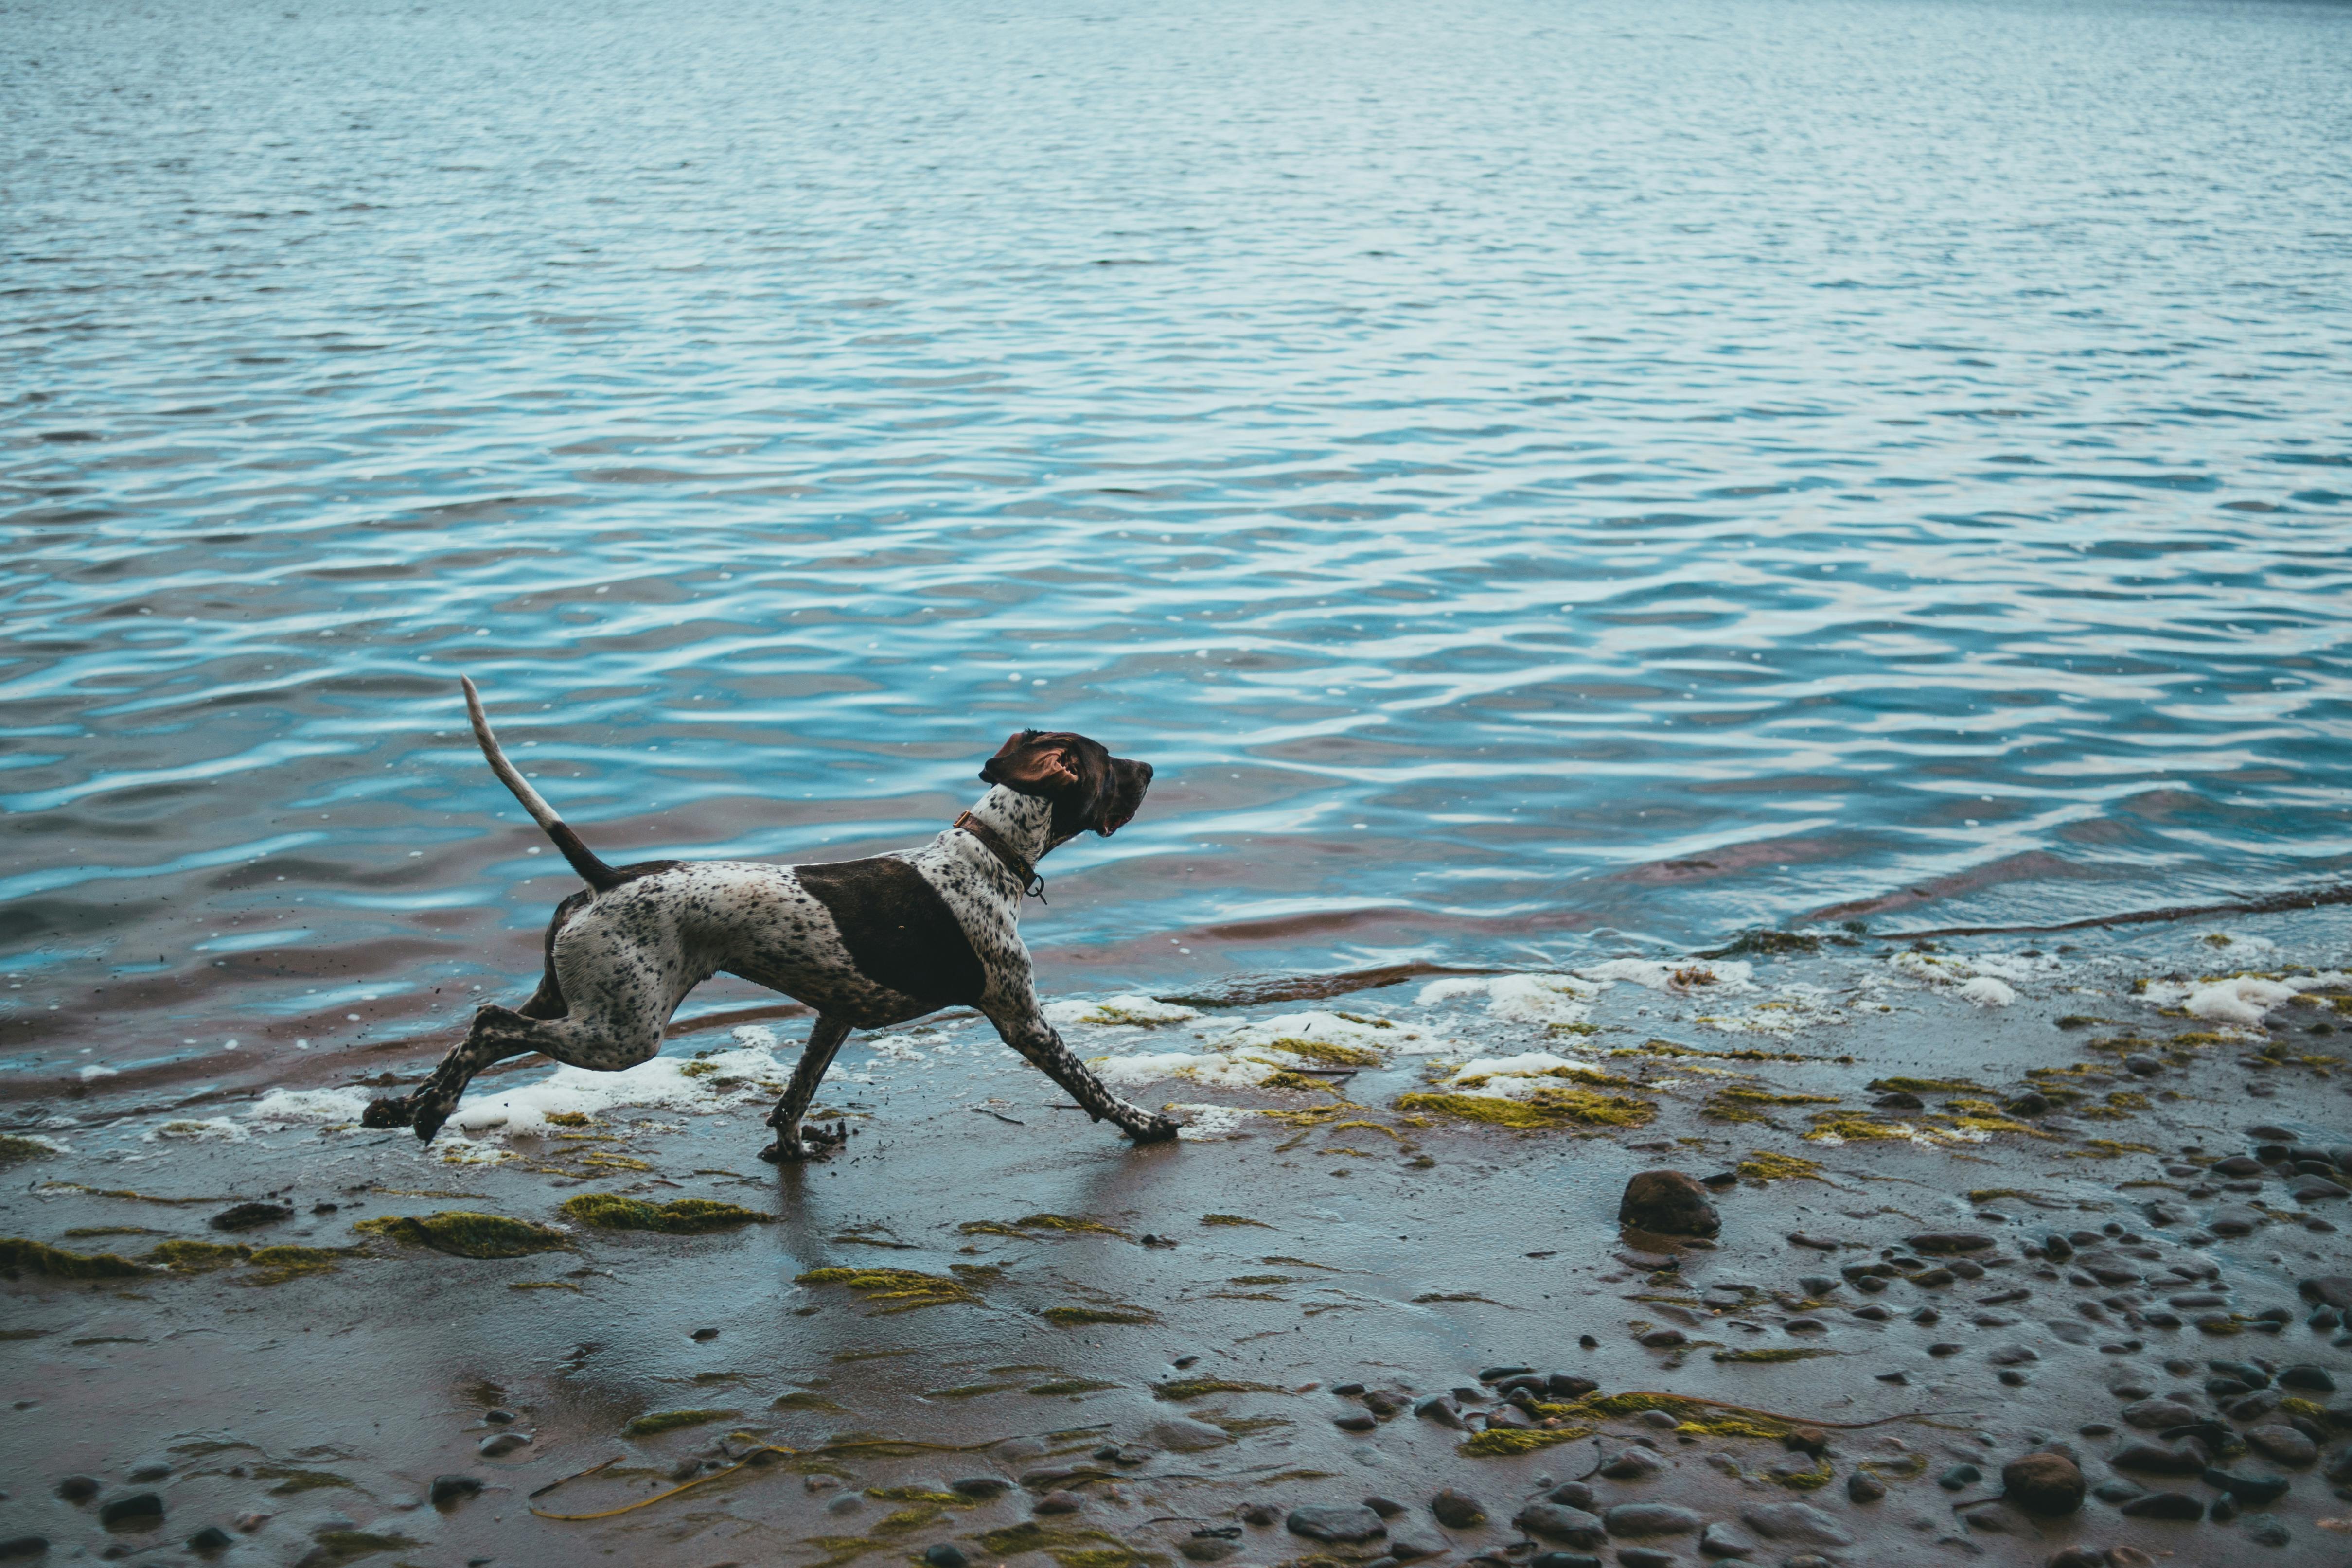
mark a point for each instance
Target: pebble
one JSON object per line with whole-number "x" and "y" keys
{"x": 140, "y": 1511}
{"x": 1413, "y": 1548}
{"x": 1669, "y": 1202}
{"x": 2157, "y": 1459}
{"x": 1941, "y": 1243}
{"x": 499, "y": 1443}
{"x": 2266, "y": 1530}
{"x": 17, "y": 1546}
{"x": 1864, "y": 1487}
{"x": 946, "y": 1554}
{"x": 1644, "y": 1519}
{"x": 1257, "y": 1513}
{"x": 1350, "y": 1523}
{"x": 1067, "y": 1502}
{"x": 212, "y": 1538}
{"x": 1559, "y": 1560}
{"x": 1442, "y": 1409}
{"x": 1959, "y": 1478}
{"x": 2156, "y": 1415}
{"x": 2313, "y": 1378}
{"x": 1554, "y": 1521}
{"x": 1570, "y": 1494}
{"x": 449, "y": 1490}
{"x": 2254, "y": 1491}
{"x": 1386, "y": 1507}
{"x": 2045, "y": 1485}
{"x": 77, "y": 1489}
{"x": 1458, "y": 1510}
{"x": 1646, "y": 1557}
{"x": 1720, "y": 1539}
{"x": 1182, "y": 1435}
{"x": 1632, "y": 1465}
{"x": 2284, "y": 1443}
{"x": 1796, "y": 1521}
{"x": 246, "y": 1215}
{"x": 850, "y": 1502}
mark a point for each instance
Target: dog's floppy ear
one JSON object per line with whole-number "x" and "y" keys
{"x": 1032, "y": 763}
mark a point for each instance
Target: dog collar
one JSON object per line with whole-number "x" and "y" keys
{"x": 1022, "y": 872}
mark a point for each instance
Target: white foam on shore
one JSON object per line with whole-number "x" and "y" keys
{"x": 1691, "y": 977}
{"x": 1215, "y": 1069}
{"x": 1208, "y": 1124}
{"x": 285, "y": 1106}
{"x": 212, "y": 1130}
{"x": 1336, "y": 1029}
{"x": 1521, "y": 999}
{"x": 1127, "y": 1010}
{"x": 1986, "y": 991}
{"x": 698, "y": 1086}
{"x": 1517, "y": 1077}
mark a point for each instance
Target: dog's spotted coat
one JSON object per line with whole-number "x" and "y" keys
{"x": 868, "y": 944}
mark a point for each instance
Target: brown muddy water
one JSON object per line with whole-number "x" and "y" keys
{"x": 990, "y": 1326}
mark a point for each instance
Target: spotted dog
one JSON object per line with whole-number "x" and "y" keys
{"x": 869, "y": 943}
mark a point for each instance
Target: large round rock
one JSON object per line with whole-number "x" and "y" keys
{"x": 2045, "y": 1485}
{"x": 1669, "y": 1202}
{"x": 1348, "y": 1525}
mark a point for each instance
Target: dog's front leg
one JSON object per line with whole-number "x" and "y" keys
{"x": 824, "y": 1039}
{"x": 497, "y": 1034}
{"x": 1025, "y": 1029}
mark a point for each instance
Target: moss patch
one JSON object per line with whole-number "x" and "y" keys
{"x": 1745, "y": 1104}
{"x": 1926, "y": 1086}
{"x": 1542, "y": 1108}
{"x": 1181, "y": 1389}
{"x": 19, "y": 1255}
{"x": 1023, "y": 1228}
{"x": 1501, "y": 1442}
{"x": 2108, "y": 1149}
{"x": 686, "y": 1216}
{"x": 1234, "y": 1219}
{"x": 462, "y": 1233}
{"x": 13, "y": 1148}
{"x": 1767, "y": 1357}
{"x": 276, "y": 1265}
{"x": 1069, "y": 1388}
{"x": 1068, "y": 1546}
{"x": 904, "y": 1290}
{"x": 1763, "y": 1166}
{"x": 196, "y": 1257}
{"x": 1070, "y": 1317}
{"x": 1327, "y": 1054}
{"x": 654, "y": 1422}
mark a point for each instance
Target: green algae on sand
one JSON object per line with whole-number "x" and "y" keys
{"x": 462, "y": 1233}
{"x": 654, "y": 1422}
{"x": 13, "y": 1148}
{"x": 1072, "y": 1317}
{"x": 1542, "y": 1108}
{"x": 1234, "y": 1219}
{"x": 1024, "y": 1228}
{"x": 1766, "y": 1166}
{"x": 905, "y": 1290}
{"x": 684, "y": 1216}
{"x": 21, "y": 1255}
{"x": 1177, "y": 1390}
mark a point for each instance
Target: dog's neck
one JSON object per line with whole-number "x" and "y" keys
{"x": 1024, "y": 822}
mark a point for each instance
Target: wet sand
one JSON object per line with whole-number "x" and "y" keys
{"x": 990, "y": 1325}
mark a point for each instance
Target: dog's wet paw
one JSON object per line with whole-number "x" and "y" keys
{"x": 391, "y": 1111}
{"x": 429, "y": 1120}
{"x": 1157, "y": 1130}
{"x": 813, "y": 1142}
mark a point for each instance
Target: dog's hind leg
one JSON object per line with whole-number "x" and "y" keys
{"x": 824, "y": 1038}
{"x": 1025, "y": 1029}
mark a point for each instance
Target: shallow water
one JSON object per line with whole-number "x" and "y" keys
{"x": 1537, "y": 482}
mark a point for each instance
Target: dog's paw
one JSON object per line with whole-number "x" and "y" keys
{"x": 1156, "y": 1130}
{"x": 394, "y": 1111}
{"x": 429, "y": 1117}
{"x": 806, "y": 1144}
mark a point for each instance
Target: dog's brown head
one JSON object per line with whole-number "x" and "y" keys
{"x": 1086, "y": 785}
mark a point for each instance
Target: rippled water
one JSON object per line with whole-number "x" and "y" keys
{"x": 1533, "y": 478}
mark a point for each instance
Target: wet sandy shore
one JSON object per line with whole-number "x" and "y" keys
{"x": 1975, "y": 1204}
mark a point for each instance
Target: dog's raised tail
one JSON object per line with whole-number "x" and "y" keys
{"x": 592, "y": 872}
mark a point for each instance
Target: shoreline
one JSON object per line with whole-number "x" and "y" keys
{"x": 1356, "y": 1207}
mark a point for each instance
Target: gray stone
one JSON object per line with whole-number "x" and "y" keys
{"x": 2158, "y": 1459}
{"x": 1632, "y": 1465}
{"x": 2156, "y": 1415}
{"x": 1458, "y": 1510}
{"x": 1645, "y": 1518}
{"x": 2165, "y": 1505}
{"x": 1720, "y": 1539}
{"x": 1796, "y": 1521}
{"x": 1557, "y": 1522}
{"x": 1864, "y": 1487}
{"x": 1180, "y": 1435}
{"x": 2283, "y": 1443}
{"x": 140, "y": 1511}
{"x": 2265, "y": 1530}
{"x": 2045, "y": 1485}
{"x": 1669, "y": 1202}
{"x": 449, "y": 1491}
{"x": 499, "y": 1443}
{"x": 1351, "y": 1525}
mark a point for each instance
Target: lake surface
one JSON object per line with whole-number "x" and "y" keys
{"x": 1539, "y": 481}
